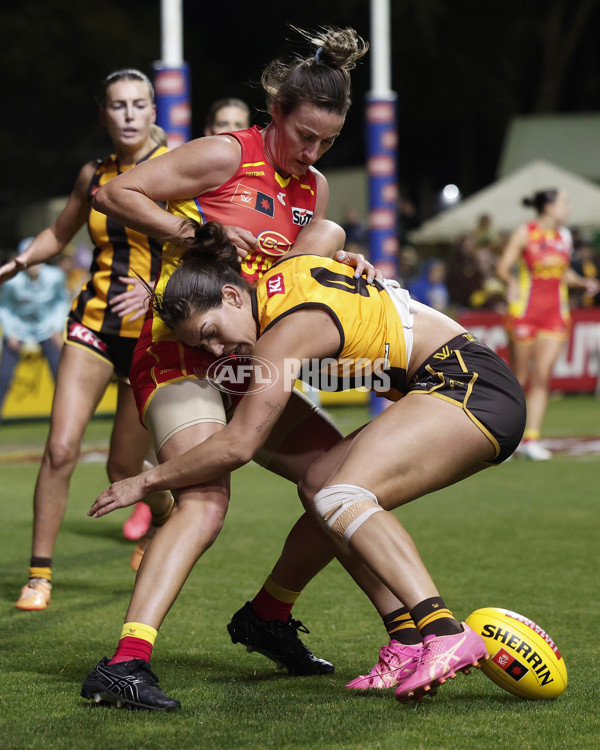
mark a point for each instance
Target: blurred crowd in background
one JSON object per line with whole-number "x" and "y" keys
{"x": 462, "y": 275}
{"x": 34, "y": 306}
{"x": 449, "y": 278}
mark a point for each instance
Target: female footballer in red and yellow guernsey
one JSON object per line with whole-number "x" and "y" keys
{"x": 543, "y": 303}
{"x": 271, "y": 208}
{"x": 261, "y": 181}
{"x": 538, "y": 318}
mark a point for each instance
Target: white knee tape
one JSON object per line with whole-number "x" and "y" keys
{"x": 344, "y": 508}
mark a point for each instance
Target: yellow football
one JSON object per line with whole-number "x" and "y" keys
{"x": 524, "y": 659}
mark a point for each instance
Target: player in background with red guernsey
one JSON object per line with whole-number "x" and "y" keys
{"x": 538, "y": 303}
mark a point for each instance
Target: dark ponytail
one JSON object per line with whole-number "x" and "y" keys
{"x": 209, "y": 261}
{"x": 540, "y": 200}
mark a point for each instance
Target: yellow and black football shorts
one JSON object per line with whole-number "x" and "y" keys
{"x": 116, "y": 350}
{"x": 469, "y": 374}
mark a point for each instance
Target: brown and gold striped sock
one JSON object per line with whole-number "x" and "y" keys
{"x": 432, "y": 617}
{"x": 40, "y": 567}
{"x": 160, "y": 520}
{"x": 400, "y": 626}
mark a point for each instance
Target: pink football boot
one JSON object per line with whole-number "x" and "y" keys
{"x": 397, "y": 661}
{"x": 138, "y": 522}
{"x": 441, "y": 658}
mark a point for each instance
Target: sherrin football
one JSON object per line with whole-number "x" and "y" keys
{"x": 524, "y": 659}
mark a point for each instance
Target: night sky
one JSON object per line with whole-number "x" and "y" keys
{"x": 461, "y": 71}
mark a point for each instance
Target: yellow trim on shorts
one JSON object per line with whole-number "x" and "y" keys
{"x": 553, "y": 335}
{"x": 157, "y": 388}
{"x": 542, "y": 334}
{"x": 462, "y": 406}
{"x": 106, "y": 361}
{"x": 90, "y": 351}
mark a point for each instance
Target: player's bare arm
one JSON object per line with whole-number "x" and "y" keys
{"x": 312, "y": 334}
{"x": 575, "y": 280}
{"x": 327, "y": 239}
{"x": 187, "y": 171}
{"x": 276, "y": 411}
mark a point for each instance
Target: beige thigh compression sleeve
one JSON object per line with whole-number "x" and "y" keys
{"x": 176, "y": 406}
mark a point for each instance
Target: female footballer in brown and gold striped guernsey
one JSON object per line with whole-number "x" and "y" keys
{"x": 470, "y": 413}
{"x": 103, "y": 326}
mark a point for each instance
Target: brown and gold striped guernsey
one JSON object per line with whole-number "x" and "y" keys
{"x": 369, "y": 323}
{"x": 118, "y": 251}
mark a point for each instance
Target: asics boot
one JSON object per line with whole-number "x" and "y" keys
{"x": 128, "y": 683}
{"x": 397, "y": 661}
{"x": 278, "y": 641}
{"x": 140, "y": 548}
{"x": 138, "y": 522}
{"x": 532, "y": 450}
{"x": 35, "y": 595}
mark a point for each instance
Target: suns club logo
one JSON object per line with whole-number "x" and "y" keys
{"x": 273, "y": 243}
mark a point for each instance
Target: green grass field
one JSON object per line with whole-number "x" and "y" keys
{"x": 522, "y": 536}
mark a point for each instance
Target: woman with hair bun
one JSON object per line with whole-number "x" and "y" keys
{"x": 261, "y": 184}
{"x": 538, "y": 303}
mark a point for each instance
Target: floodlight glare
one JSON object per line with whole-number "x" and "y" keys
{"x": 450, "y": 194}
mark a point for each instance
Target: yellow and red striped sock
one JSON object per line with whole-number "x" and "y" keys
{"x": 274, "y": 602}
{"x": 137, "y": 641}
